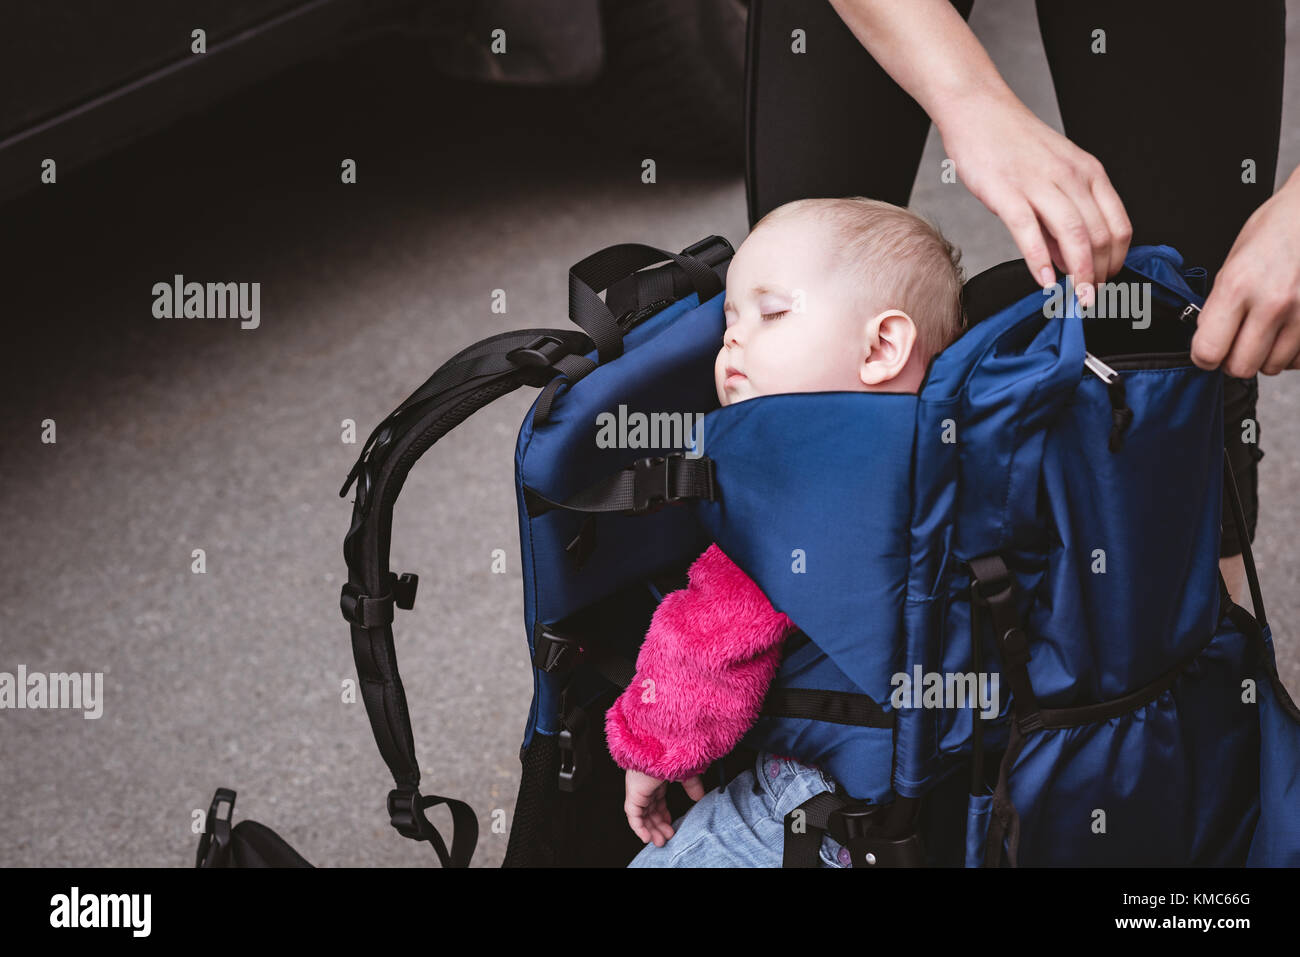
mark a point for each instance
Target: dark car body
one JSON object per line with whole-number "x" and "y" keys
{"x": 79, "y": 78}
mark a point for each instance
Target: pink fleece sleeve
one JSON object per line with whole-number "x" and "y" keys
{"x": 701, "y": 675}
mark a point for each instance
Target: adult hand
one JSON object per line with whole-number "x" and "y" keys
{"x": 1055, "y": 199}
{"x": 1252, "y": 315}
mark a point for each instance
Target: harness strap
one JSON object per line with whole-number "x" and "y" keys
{"x": 641, "y": 488}
{"x": 473, "y": 379}
{"x": 994, "y": 589}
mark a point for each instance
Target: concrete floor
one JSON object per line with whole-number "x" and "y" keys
{"x": 177, "y": 435}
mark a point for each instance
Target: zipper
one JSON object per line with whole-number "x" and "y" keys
{"x": 1098, "y": 368}
{"x": 1121, "y": 416}
{"x": 631, "y": 318}
{"x": 1149, "y": 360}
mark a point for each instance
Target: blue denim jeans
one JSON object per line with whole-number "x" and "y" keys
{"x": 742, "y": 825}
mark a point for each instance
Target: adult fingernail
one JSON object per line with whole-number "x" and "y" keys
{"x": 1045, "y": 276}
{"x": 1085, "y": 293}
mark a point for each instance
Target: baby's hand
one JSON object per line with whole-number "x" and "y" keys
{"x": 646, "y": 809}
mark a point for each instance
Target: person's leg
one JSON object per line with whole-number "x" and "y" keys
{"x": 827, "y": 121}
{"x": 1184, "y": 94}
{"x": 742, "y": 825}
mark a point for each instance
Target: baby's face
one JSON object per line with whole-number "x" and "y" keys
{"x": 792, "y": 325}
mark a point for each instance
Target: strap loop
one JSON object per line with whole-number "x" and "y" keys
{"x": 406, "y": 807}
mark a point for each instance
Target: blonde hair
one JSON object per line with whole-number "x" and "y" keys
{"x": 901, "y": 259}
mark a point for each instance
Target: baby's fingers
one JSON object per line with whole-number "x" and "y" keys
{"x": 636, "y": 821}
{"x": 661, "y": 823}
{"x": 694, "y": 787}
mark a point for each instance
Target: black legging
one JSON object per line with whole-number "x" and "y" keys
{"x": 1183, "y": 95}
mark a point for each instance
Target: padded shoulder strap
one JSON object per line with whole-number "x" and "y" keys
{"x": 462, "y": 386}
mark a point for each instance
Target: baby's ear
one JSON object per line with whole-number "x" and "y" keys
{"x": 891, "y": 337}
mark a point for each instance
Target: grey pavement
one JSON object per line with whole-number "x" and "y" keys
{"x": 178, "y": 435}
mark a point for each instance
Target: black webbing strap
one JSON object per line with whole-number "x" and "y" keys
{"x": 993, "y": 589}
{"x": 615, "y": 269}
{"x": 571, "y": 369}
{"x": 805, "y": 827}
{"x": 595, "y": 274}
{"x": 471, "y": 379}
{"x": 372, "y": 591}
{"x": 836, "y": 707}
{"x": 1253, "y": 627}
{"x": 639, "y": 488}
{"x": 1243, "y": 536}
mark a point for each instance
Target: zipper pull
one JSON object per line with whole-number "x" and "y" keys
{"x": 1188, "y": 311}
{"x": 1098, "y": 368}
{"x": 1121, "y": 416}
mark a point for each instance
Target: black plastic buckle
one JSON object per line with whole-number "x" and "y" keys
{"x": 705, "y": 247}
{"x": 853, "y": 826}
{"x": 554, "y": 653}
{"x": 852, "y": 822}
{"x": 542, "y": 351}
{"x": 575, "y": 761}
{"x": 988, "y": 592}
{"x": 403, "y": 587}
{"x": 216, "y": 829}
{"x": 364, "y": 611}
{"x": 406, "y": 813}
{"x": 647, "y": 496}
{"x": 368, "y": 612}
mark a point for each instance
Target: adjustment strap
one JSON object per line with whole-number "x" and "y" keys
{"x": 836, "y": 707}
{"x": 571, "y": 369}
{"x": 804, "y": 828}
{"x": 994, "y": 589}
{"x": 406, "y": 809}
{"x": 640, "y": 488}
{"x": 1243, "y": 536}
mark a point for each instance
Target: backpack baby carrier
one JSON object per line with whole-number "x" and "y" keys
{"x": 1042, "y": 520}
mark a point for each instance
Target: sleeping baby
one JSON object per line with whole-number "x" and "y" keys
{"x": 824, "y": 295}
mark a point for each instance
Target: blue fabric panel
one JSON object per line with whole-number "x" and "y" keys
{"x": 815, "y": 498}
{"x": 1277, "y": 839}
{"x": 1176, "y": 779}
{"x": 667, "y": 366}
{"x": 1131, "y": 582}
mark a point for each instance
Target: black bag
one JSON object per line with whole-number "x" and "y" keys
{"x": 247, "y": 844}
